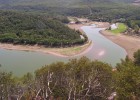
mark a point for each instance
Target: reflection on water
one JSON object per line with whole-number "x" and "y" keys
{"x": 103, "y": 49}
{"x": 21, "y": 62}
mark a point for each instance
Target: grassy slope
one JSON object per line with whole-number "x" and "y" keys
{"x": 121, "y": 28}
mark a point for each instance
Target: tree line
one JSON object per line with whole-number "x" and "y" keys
{"x": 134, "y": 27}
{"x": 104, "y": 11}
{"x": 22, "y": 28}
{"x": 81, "y": 79}
{"x": 100, "y": 10}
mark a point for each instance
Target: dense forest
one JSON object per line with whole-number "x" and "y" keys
{"x": 97, "y": 10}
{"x": 102, "y": 10}
{"x": 60, "y": 2}
{"x": 21, "y": 28}
{"x": 134, "y": 27}
{"x": 80, "y": 79}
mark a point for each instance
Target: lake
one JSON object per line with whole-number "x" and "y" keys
{"x": 21, "y": 62}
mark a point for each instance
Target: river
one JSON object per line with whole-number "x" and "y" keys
{"x": 21, "y": 62}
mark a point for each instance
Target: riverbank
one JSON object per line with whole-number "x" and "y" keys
{"x": 98, "y": 25}
{"x": 130, "y": 44}
{"x": 61, "y": 52}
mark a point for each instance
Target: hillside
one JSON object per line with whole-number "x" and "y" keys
{"x": 99, "y": 10}
{"x": 27, "y": 27}
{"x": 59, "y": 3}
{"x": 19, "y": 28}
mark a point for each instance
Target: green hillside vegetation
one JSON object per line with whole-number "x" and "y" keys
{"x": 81, "y": 79}
{"x": 121, "y": 27}
{"x": 41, "y": 22}
{"x": 54, "y": 2}
{"x": 135, "y": 25}
{"x": 99, "y": 10}
{"x": 19, "y": 28}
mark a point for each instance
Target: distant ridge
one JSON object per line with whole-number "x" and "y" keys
{"x": 57, "y": 2}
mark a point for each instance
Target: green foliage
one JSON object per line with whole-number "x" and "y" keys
{"x": 137, "y": 58}
{"x": 99, "y": 10}
{"x": 19, "y": 28}
{"x": 128, "y": 81}
{"x": 28, "y": 78}
{"x": 79, "y": 79}
{"x": 120, "y": 28}
{"x": 7, "y": 85}
{"x": 133, "y": 23}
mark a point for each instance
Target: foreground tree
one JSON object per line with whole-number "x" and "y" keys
{"x": 81, "y": 79}
{"x": 78, "y": 79}
{"x": 128, "y": 81}
{"x": 137, "y": 58}
{"x": 6, "y": 85}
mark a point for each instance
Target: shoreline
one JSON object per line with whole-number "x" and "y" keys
{"x": 54, "y": 51}
{"x": 61, "y": 52}
{"x": 129, "y": 43}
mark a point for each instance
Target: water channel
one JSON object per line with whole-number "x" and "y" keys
{"x": 21, "y": 62}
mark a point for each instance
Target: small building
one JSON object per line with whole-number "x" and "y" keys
{"x": 72, "y": 22}
{"x": 113, "y": 27}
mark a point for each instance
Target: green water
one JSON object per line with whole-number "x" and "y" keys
{"x": 21, "y": 62}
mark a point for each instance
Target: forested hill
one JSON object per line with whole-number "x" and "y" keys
{"x": 58, "y": 3}
{"x": 99, "y": 10}
{"x": 101, "y": 1}
{"x": 19, "y": 28}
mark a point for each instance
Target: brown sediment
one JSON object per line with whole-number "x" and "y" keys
{"x": 129, "y": 43}
{"x": 62, "y": 52}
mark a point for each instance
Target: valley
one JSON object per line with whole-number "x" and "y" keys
{"x": 69, "y": 50}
